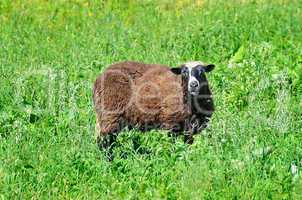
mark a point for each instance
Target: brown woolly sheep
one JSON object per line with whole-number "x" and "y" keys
{"x": 149, "y": 96}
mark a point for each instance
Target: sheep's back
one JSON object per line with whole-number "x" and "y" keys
{"x": 113, "y": 88}
{"x": 158, "y": 98}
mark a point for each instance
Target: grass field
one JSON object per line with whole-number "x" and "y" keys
{"x": 52, "y": 51}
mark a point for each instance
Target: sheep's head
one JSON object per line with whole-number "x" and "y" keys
{"x": 194, "y": 75}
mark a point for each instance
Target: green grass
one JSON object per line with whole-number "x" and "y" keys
{"x": 52, "y": 51}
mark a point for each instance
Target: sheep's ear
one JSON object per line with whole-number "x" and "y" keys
{"x": 209, "y": 67}
{"x": 176, "y": 70}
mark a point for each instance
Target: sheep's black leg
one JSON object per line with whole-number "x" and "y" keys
{"x": 188, "y": 133}
{"x": 175, "y": 131}
{"x": 107, "y": 144}
{"x": 173, "y": 136}
{"x": 188, "y": 138}
{"x": 108, "y": 127}
{"x": 136, "y": 143}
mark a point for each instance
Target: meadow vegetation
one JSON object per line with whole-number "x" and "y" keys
{"x": 52, "y": 51}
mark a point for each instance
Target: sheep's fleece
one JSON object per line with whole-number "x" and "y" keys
{"x": 146, "y": 96}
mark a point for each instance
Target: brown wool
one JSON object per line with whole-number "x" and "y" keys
{"x": 147, "y": 96}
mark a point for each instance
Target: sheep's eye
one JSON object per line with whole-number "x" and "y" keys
{"x": 200, "y": 70}
{"x": 185, "y": 71}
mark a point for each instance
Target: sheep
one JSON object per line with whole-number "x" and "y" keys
{"x": 146, "y": 96}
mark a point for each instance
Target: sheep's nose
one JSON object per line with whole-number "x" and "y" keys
{"x": 193, "y": 84}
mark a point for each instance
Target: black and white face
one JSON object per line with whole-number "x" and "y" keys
{"x": 194, "y": 74}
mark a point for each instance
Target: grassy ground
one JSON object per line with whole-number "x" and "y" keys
{"x": 52, "y": 51}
